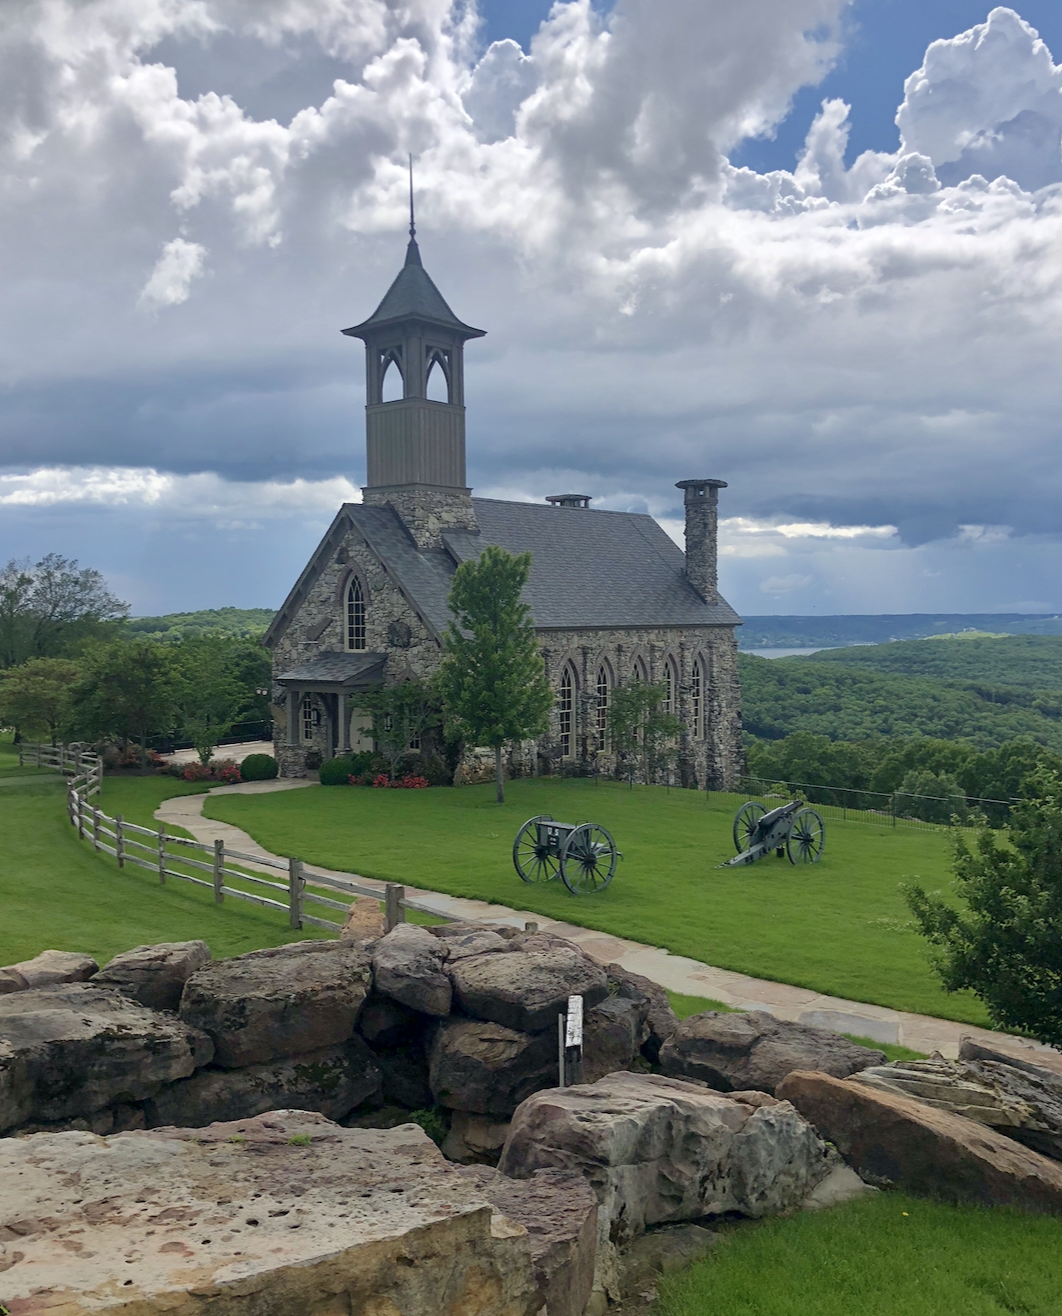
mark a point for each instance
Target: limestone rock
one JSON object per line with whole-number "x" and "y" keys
{"x": 365, "y": 920}
{"x": 474, "y": 1139}
{"x": 285, "y": 1213}
{"x": 1018, "y": 1102}
{"x": 479, "y": 942}
{"x": 154, "y": 975}
{"x": 407, "y": 966}
{"x": 48, "y": 968}
{"x": 69, "y": 1050}
{"x": 752, "y": 1049}
{"x": 659, "y": 1016}
{"x": 331, "y": 1081}
{"x": 1035, "y": 1062}
{"x": 657, "y": 1150}
{"x": 841, "y": 1185}
{"x": 559, "y": 1212}
{"x": 890, "y": 1139}
{"x": 613, "y": 1033}
{"x": 278, "y": 1002}
{"x": 527, "y": 989}
{"x": 489, "y": 1069}
{"x": 660, "y": 1252}
{"x": 462, "y": 927}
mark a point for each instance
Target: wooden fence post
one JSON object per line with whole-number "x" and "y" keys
{"x": 95, "y": 827}
{"x": 119, "y": 841}
{"x": 162, "y": 856}
{"x": 295, "y": 885}
{"x": 219, "y": 876}
{"x": 80, "y": 817}
{"x": 393, "y": 911}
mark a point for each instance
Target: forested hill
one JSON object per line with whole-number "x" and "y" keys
{"x": 1028, "y": 662}
{"x": 821, "y": 632}
{"x": 845, "y": 697}
{"x": 237, "y": 623}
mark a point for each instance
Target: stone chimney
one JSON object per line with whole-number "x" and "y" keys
{"x": 702, "y": 535}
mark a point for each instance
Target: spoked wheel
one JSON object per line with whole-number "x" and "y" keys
{"x": 745, "y": 824}
{"x": 806, "y": 838}
{"x": 588, "y": 859}
{"x": 534, "y": 861}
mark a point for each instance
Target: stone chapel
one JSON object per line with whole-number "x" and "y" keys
{"x": 612, "y": 597}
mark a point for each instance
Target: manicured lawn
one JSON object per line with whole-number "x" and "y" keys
{"x": 839, "y": 926}
{"x": 886, "y": 1255}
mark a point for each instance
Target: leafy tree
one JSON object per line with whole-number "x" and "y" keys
{"x": 641, "y": 732}
{"x": 492, "y": 680}
{"x": 1005, "y": 944}
{"x": 401, "y": 714}
{"x": 128, "y": 691}
{"x": 48, "y": 607}
{"x": 933, "y": 797}
{"x": 209, "y": 693}
{"x": 34, "y": 696}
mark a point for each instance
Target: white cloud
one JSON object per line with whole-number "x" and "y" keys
{"x": 170, "y": 280}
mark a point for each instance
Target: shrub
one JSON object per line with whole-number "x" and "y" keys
{"x": 411, "y": 783}
{"x": 227, "y": 771}
{"x": 934, "y": 797}
{"x": 381, "y": 781}
{"x": 365, "y": 762}
{"x": 335, "y": 772}
{"x": 196, "y": 772}
{"x": 259, "y": 767}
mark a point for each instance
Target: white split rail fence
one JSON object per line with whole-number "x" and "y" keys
{"x": 156, "y": 850}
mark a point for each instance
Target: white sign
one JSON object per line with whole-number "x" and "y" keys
{"x": 573, "y": 1035}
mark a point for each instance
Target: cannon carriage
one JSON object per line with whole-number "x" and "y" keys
{"x": 792, "y": 830}
{"x": 583, "y": 855}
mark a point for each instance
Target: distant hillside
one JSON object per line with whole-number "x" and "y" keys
{"x": 1024, "y": 662}
{"x": 823, "y": 632}
{"x": 235, "y": 622}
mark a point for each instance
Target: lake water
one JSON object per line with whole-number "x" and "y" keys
{"x": 780, "y": 653}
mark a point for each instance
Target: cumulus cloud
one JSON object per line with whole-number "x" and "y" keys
{"x": 867, "y": 352}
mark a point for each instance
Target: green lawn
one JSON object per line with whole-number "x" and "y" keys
{"x": 886, "y": 1255}
{"x": 839, "y": 926}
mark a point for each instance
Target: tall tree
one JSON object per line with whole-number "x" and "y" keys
{"x": 1005, "y": 945}
{"x": 210, "y": 695}
{"x": 49, "y": 606}
{"x": 641, "y": 731}
{"x": 34, "y": 696}
{"x": 401, "y": 713}
{"x": 128, "y": 691}
{"x": 492, "y": 680}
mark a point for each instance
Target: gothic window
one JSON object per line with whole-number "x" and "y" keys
{"x": 311, "y": 719}
{"x": 696, "y": 700}
{"x": 437, "y": 388}
{"x": 670, "y": 688}
{"x": 355, "y": 615}
{"x": 565, "y": 705}
{"x": 638, "y": 672}
{"x": 392, "y": 384}
{"x": 601, "y": 712}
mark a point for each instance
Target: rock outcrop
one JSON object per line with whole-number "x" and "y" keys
{"x": 613, "y": 1033}
{"x": 660, "y": 1019}
{"x": 47, "y": 969}
{"x": 658, "y": 1150}
{"x": 278, "y": 1002}
{"x": 407, "y": 966}
{"x": 895, "y": 1140}
{"x": 526, "y": 989}
{"x": 753, "y": 1049}
{"x": 283, "y": 1213}
{"x": 154, "y": 975}
{"x": 488, "y": 1069}
{"x": 69, "y": 1051}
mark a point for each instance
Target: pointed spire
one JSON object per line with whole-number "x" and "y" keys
{"x": 412, "y": 224}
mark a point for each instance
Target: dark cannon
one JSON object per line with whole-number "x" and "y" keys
{"x": 583, "y": 855}
{"x": 792, "y": 829}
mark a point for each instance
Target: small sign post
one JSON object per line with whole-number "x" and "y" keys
{"x": 570, "y": 1040}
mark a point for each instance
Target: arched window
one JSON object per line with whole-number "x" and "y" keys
{"x": 697, "y": 699}
{"x": 670, "y": 688}
{"x": 565, "y": 705}
{"x": 311, "y": 719}
{"x": 638, "y": 672}
{"x": 601, "y": 712}
{"x": 392, "y": 384}
{"x": 437, "y": 388}
{"x": 355, "y": 615}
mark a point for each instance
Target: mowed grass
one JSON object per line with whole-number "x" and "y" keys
{"x": 839, "y": 926}
{"x": 886, "y": 1255}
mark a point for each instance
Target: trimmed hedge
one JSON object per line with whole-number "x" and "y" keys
{"x": 258, "y": 767}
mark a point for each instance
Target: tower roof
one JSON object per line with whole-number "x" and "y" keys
{"x": 413, "y": 296}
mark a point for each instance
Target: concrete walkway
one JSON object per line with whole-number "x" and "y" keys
{"x": 675, "y": 972}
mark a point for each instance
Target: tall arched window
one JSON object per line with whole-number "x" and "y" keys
{"x": 601, "y": 712}
{"x": 669, "y": 683}
{"x": 565, "y": 704}
{"x": 355, "y": 615}
{"x": 697, "y": 700}
{"x": 638, "y": 672}
{"x": 392, "y": 383}
{"x": 438, "y": 387}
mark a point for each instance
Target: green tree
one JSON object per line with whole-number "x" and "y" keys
{"x": 492, "y": 681}
{"x": 49, "y": 607}
{"x": 34, "y": 696}
{"x": 642, "y": 733}
{"x": 209, "y": 693}
{"x": 934, "y": 797}
{"x": 401, "y": 714}
{"x": 127, "y": 691}
{"x": 1005, "y": 944}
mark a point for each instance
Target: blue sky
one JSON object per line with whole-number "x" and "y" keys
{"x": 697, "y": 238}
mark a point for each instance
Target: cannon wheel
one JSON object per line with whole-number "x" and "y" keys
{"x": 534, "y": 862}
{"x": 588, "y": 859}
{"x": 745, "y": 824}
{"x": 807, "y": 837}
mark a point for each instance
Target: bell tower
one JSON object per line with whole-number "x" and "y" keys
{"x": 415, "y": 446}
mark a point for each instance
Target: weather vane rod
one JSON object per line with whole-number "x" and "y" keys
{"x": 412, "y": 225}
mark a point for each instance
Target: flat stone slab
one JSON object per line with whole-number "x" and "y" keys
{"x": 283, "y": 1213}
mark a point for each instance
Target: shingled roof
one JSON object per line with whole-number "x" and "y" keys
{"x": 413, "y": 295}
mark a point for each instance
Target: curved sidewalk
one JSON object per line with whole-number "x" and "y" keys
{"x": 675, "y": 972}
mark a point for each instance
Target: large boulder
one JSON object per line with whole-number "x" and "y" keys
{"x": 527, "y": 989}
{"x": 613, "y": 1033}
{"x": 660, "y": 1018}
{"x": 407, "y": 966}
{"x": 890, "y": 1139}
{"x": 47, "y": 969}
{"x": 657, "y": 1150}
{"x": 332, "y": 1082}
{"x": 559, "y": 1212}
{"x": 154, "y": 975}
{"x": 278, "y": 1002}
{"x": 753, "y": 1049}
{"x": 474, "y": 1139}
{"x": 488, "y": 1069}
{"x": 70, "y": 1050}
{"x": 1021, "y": 1104}
{"x": 285, "y": 1213}
{"x": 1041, "y": 1061}
{"x": 384, "y": 1022}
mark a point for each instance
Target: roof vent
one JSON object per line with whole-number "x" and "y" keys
{"x": 569, "y": 500}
